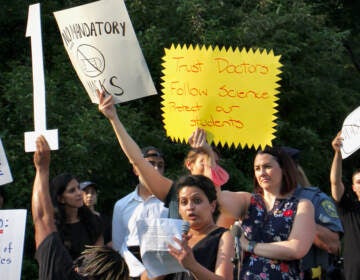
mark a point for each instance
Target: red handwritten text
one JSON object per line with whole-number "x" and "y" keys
{"x": 225, "y": 66}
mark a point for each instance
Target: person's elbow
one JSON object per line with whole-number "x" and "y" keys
{"x": 298, "y": 251}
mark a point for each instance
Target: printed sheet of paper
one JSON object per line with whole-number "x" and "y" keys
{"x": 351, "y": 133}
{"x": 5, "y": 173}
{"x": 102, "y": 45}
{"x": 154, "y": 236}
{"x": 12, "y": 232}
{"x": 231, "y": 94}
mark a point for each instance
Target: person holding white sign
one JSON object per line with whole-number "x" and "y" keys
{"x": 207, "y": 249}
{"x": 55, "y": 262}
{"x": 348, "y": 209}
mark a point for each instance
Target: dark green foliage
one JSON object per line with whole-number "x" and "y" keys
{"x": 318, "y": 42}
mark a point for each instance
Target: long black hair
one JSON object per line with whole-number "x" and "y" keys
{"x": 91, "y": 222}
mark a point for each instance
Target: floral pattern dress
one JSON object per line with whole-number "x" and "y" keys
{"x": 262, "y": 226}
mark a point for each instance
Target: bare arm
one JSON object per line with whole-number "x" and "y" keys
{"x": 327, "y": 240}
{"x": 41, "y": 204}
{"x": 234, "y": 204}
{"x": 153, "y": 180}
{"x": 300, "y": 239}
{"x": 337, "y": 186}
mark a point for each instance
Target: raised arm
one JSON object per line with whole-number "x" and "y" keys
{"x": 300, "y": 239}
{"x": 337, "y": 186}
{"x": 152, "y": 179}
{"x": 212, "y": 170}
{"x": 198, "y": 139}
{"x": 41, "y": 205}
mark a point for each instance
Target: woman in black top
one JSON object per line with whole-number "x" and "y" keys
{"x": 76, "y": 224}
{"x": 206, "y": 251}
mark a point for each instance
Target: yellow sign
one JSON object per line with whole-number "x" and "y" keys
{"x": 229, "y": 93}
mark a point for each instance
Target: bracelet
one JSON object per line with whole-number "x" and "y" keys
{"x": 251, "y": 247}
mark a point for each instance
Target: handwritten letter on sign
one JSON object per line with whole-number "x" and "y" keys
{"x": 101, "y": 43}
{"x": 351, "y": 134}
{"x": 12, "y": 230}
{"x": 229, "y": 93}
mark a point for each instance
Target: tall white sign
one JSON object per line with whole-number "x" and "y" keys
{"x": 33, "y": 30}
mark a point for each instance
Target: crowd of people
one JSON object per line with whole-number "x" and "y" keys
{"x": 288, "y": 229}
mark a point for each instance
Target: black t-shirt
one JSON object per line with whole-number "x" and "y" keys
{"x": 55, "y": 262}
{"x": 77, "y": 236}
{"x": 349, "y": 212}
{"x": 107, "y": 224}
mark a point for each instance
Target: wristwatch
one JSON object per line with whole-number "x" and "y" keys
{"x": 251, "y": 246}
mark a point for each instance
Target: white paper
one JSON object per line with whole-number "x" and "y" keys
{"x": 102, "y": 45}
{"x": 12, "y": 231}
{"x": 154, "y": 236}
{"x": 5, "y": 173}
{"x": 351, "y": 134}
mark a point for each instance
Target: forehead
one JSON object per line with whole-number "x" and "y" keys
{"x": 154, "y": 158}
{"x": 356, "y": 177}
{"x": 189, "y": 191}
{"x": 73, "y": 183}
{"x": 264, "y": 158}
{"x": 90, "y": 189}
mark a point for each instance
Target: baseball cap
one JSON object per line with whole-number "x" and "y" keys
{"x": 85, "y": 184}
{"x": 151, "y": 151}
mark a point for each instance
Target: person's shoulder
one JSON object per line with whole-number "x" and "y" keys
{"x": 125, "y": 198}
{"x": 310, "y": 189}
{"x": 310, "y": 192}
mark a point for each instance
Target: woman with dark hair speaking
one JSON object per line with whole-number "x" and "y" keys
{"x": 207, "y": 249}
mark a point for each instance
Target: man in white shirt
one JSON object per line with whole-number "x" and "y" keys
{"x": 138, "y": 204}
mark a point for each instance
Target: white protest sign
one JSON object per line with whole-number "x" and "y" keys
{"x": 33, "y": 30}
{"x": 101, "y": 43}
{"x": 5, "y": 173}
{"x": 351, "y": 133}
{"x": 12, "y": 230}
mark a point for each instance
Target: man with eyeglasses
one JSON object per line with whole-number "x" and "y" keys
{"x": 136, "y": 205}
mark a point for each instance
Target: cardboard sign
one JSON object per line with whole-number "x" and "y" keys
{"x": 229, "y": 93}
{"x": 101, "y": 43}
{"x": 12, "y": 230}
{"x": 5, "y": 173}
{"x": 351, "y": 134}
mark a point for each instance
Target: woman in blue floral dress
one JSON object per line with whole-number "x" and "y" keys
{"x": 278, "y": 228}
